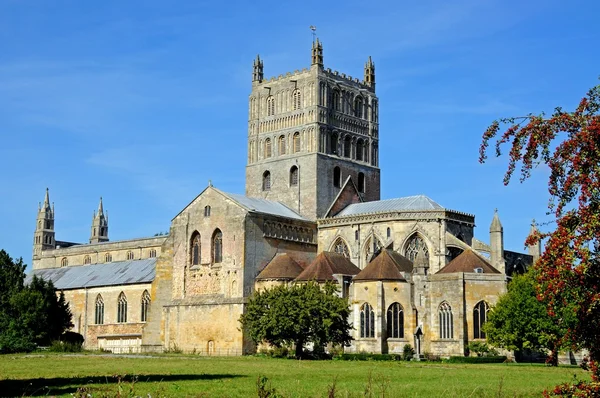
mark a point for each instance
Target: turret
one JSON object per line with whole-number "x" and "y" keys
{"x": 257, "y": 70}
{"x": 534, "y": 250}
{"x": 43, "y": 237}
{"x": 99, "y": 225}
{"x": 370, "y": 73}
{"x": 317, "y": 53}
{"x": 497, "y": 244}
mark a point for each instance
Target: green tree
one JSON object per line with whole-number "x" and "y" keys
{"x": 520, "y": 321}
{"x": 298, "y": 314}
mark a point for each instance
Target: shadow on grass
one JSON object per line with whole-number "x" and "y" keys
{"x": 67, "y": 385}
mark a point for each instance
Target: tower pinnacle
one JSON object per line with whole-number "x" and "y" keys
{"x": 257, "y": 70}
{"x": 317, "y": 53}
{"x": 370, "y": 73}
{"x": 99, "y": 231}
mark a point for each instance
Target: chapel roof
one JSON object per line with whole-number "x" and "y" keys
{"x": 387, "y": 266}
{"x": 95, "y": 275}
{"x": 417, "y": 202}
{"x": 281, "y": 267}
{"x": 325, "y": 265}
{"x": 468, "y": 261}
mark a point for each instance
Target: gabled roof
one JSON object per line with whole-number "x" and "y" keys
{"x": 468, "y": 261}
{"x": 387, "y": 266}
{"x": 347, "y": 195}
{"x": 325, "y": 265}
{"x": 94, "y": 275}
{"x": 418, "y": 202}
{"x": 281, "y": 267}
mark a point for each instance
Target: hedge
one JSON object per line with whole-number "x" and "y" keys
{"x": 490, "y": 359}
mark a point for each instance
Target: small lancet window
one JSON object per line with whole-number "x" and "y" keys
{"x": 347, "y": 147}
{"x": 64, "y": 262}
{"x": 130, "y": 255}
{"x": 107, "y": 258}
{"x": 266, "y": 183}
{"x": 294, "y": 176}
{"x": 152, "y": 253}
{"x": 122, "y": 308}
{"x": 145, "y": 306}
{"x": 268, "y": 148}
{"x": 87, "y": 260}
{"x": 207, "y": 211}
{"x": 281, "y": 145}
{"x": 217, "y": 246}
{"x": 195, "y": 248}
{"x": 296, "y": 99}
{"x": 99, "y": 315}
{"x": 296, "y": 142}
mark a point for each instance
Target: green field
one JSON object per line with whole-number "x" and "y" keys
{"x": 193, "y": 376}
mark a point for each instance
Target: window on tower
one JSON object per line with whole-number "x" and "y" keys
{"x": 333, "y": 145}
{"x": 268, "y": 148}
{"x": 296, "y": 142}
{"x": 360, "y": 148}
{"x": 337, "y": 177}
{"x": 294, "y": 176}
{"x": 282, "y": 145}
{"x": 270, "y": 105}
{"x": 296, "y": 99}
{"x": 347, "y": 147}
{"x": 266, "y": 183}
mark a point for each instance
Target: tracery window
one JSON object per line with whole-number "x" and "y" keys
{"x": 347, "y": 147}
{"x": 395, "y": 321}
{"x": 268, "y": 148}
{"x": 130, "y": 255}
{"x": 296, "y": 142}
{"x": 270, "y": 105}
{"x": 341, "y": 247}
{"x": 217, "y": 246}
{"x": 294, "y": 176}
{"x": 296, "y": 99}
{"x": 195, "y": 248}
{"x": 281, "y": 145}
{"x": 64, "y": 262}
{"x": 266, "y": 184}
{"x": 446, "y": 321}
{"x": 361, "y": 182}
{"x": 145, "y": 306}
{"x": 367, "y": 321}
{"x": 122, "y": 308}
{"x": 152, "y": 252}
{"x": 414, "y": 246}
{"x": 479, "y": 319}
{"x": 99, "y": 315}
{"x": 107, "y": 258}
{"x": 337, "y": 177}
{"x": 87, "y": 260}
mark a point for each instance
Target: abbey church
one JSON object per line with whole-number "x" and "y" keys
{"x": 412, "y": 270}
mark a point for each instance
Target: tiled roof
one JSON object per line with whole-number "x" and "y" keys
{"x": 468, "y": 261}
{"x": 418, "y": 202}
{"x": 326, "y": 265}
{"x": 280, "y": 267}
{"x": 263, "y": 206}
{"x": 387, "y": 266}
{"x": 94, "y": 275}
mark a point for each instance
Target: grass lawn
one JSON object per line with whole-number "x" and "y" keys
{"x": 193, "y": 376}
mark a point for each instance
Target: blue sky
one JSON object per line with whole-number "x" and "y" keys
{"x": 142, "y": 102}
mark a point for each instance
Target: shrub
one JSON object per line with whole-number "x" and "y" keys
{"x": 408, "y": 352}
{"x": 63, "y": 346}
{"x": 369, "y": 357}
{"x": 488, "y": 359}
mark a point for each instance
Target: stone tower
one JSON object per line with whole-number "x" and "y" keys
{"x": 99, "y": 231}
{"x": 308, "y": 131}
{"x": 534, "y": 250}
{"x": 43, "y": 237}
{"x": 497, "y": 243}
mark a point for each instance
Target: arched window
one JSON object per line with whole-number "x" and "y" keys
{"x": 99, "y": 315}
{"x": 107, "y": 258}
{"x": 361, "y": 182}
{"x": 445, "y": 315}
{"x": 195, "y": 248}
{"x": 268, "y": 148}
{"x": 152, "y": 252}
{"x": 266, "y": 184}
{"x": 270, "y": 105}
{"x": 479, "y": 318}
{"x": 130, "y": 255}
{"x": 358, "y": 106}
{"x": 335, "y": 100}
{"x": 395, "y": 321}
{"x": 296, "y": 99}
{"x": 87, "y": 260}
{"x": 122, "y": 308}
{"x": 414, "y": 246}
{"x": 145, "y": 306}
{"x": 341, "y": 247}
{"x": 206, "y": 211}
{"x": 64, "y": 262}
{"x": 337, "y": 177}
{"x": 296, "y": 142}
{"x": 360, "y": 148}
{"x": 333, "y": 144}
{"x": 294, "y": 176}
{"x": 281, "y": 145}
{"x": 347, "y": 147}
{"x": 389, "y": 232}
{"x": 217, "y": 246}
{"x": 367, "y": 321}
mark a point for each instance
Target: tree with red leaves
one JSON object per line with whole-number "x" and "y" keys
{"x": 569, "y": 268}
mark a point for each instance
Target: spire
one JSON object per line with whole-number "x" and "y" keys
{"x": 257, "y": 70}
{"x": 43, "y": 237}
{"x": 100, "y": 208}
{"x": 369, "y": 79}
{"x": 47, "y": 199}
{"x": 496, "y": 225}
{"x": 317, "y": 53}
{"x": 99, "y": 232}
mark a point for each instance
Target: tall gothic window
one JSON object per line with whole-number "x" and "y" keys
{"x": 268, "y": 148}
{"x": 367, "y": 321}
{"x": 266, "y": 183}
{"x": 130, "y": 255}
{"x": 347, "y": 147}
{"x": 145, "y": 306}
{"x": 395, "y": 321}
{"x": 294, "y": 176}
{"x": 358, "y": 107}
{"x": 296, "y": 99}
{"x": 296, "y": 142}
{"x": 99, "y": 316}
{"x": 360, "y": 148}
{"x": 361, "y": 182}
{"x": 446, "y": 321}
{"x": 479, "y": 318}
{"x": 281, "y": 145}
{"x": 341, "y": 247}
{"x": 337, "y": 177}
{"x": 195, "y": 252}
{"x": 335, "y": 100}
{"x": 122, "y": 308}
{"x": 270, "y": 105}
{"x": 414, "y": 246}
{"x": 217, "y": 246}
{"x": 87, "y": 260}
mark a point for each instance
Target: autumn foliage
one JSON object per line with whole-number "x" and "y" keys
{"x": 569, "y": 268}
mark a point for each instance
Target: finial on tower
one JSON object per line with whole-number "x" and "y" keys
{"x": 257, "y": 70}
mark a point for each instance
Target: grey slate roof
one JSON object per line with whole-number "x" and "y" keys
{"x": 94, "y": 275}
{"x": 417, "y": 202}
{"x": 264, "y": 206}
